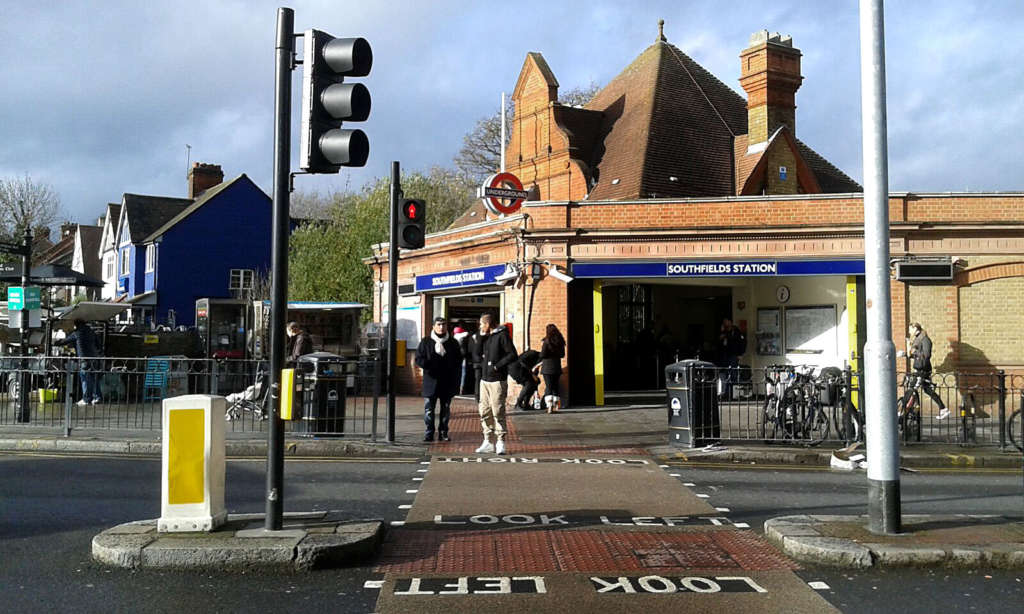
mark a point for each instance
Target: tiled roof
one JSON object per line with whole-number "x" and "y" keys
{"x": 147, "y": 213}
{"x": 666, "y": 116}
{"x": 91, "y": 237}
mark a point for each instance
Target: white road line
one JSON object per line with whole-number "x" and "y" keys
{"x": 663, "y": 466}
{"x": 373, "y": 584}
{"x": 741, "y": 525}
{"x": 424, "y": 462}
{"x": 688, "y": 484}
{"x": 411, "y": 492}
{"x": 397, "y": 523}
{"x": 818, "y": 586}
{"x": 421, "y": 470}
{"x": 722, "y": 509}
{"x": 675, "y": 475}
{"x": 417, "y": 479}
{"x": 405, "y": 507}
{"x": 702, "y": 495}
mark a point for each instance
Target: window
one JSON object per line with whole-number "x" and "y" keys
{"x": 125, "y": 237}
{"x": 108, "y": 266}
{"x": 150, "y": 257}
{"x": 241, "y": 279}
{"x": 125, "y": 262}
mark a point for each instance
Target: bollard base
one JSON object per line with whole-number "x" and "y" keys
{"x": 884, "y": 507}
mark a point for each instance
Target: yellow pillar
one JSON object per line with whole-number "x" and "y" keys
{"x": 852, "y": 327}
{"x": 598, "y": 343}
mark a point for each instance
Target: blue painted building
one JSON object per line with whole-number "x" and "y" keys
{"x": 172, "y": 251}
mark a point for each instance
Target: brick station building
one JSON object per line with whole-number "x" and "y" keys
{"x": 673, "y": 202}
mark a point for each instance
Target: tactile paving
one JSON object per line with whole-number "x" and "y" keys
{"x": 467, "y": 552}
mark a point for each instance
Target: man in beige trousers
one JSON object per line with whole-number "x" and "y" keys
{"x": 496, "y": 353}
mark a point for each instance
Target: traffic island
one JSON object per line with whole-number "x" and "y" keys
{"x": 306, "y": 541}
{"x": 955, "y": 541}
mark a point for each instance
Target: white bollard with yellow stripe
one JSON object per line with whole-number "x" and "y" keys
{"x": 192, "y": 488}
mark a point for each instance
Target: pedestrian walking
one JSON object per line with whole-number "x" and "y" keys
{"x": 439, "y": 356}
{"x": 496, "y": 353}
{"x": 87, "y": 349}
{"x": 552, "y": 351}
{"x": 919, "y": 348}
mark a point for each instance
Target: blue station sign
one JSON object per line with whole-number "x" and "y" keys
{"x": 717, "y": 268}
{"x": 462, "y": 278}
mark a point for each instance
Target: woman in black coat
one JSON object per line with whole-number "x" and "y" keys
{"x": 552, "y": 351}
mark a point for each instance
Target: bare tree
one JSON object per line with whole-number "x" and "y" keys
{"x": 25, "y": 203}
{"x": 481, "y": 148}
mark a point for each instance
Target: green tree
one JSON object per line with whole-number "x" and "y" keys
{"x": 326, "y": 256}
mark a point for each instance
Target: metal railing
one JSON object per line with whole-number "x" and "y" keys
{"x": 127, "y": 394}
{"x": 788, "y": 405}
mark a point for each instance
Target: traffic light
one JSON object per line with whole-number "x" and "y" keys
{"x": 327, "y": 101}
{"x": 412, "y": 223}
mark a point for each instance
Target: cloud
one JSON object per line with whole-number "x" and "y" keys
{"x": 101, "y": 98}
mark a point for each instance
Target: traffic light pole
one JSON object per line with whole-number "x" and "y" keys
{"x": 284, "y": 57}
{"x": 396, "y": 196}
{"x": 24, "y": 415}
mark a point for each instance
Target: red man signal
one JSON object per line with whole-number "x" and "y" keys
{"x": 412, "y": 223}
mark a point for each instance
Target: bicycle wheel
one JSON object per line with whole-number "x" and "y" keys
{"x": 768, "y": 416}
{"x": 846, "y": 422}
{"x": 1013, "y": 430}
{"x": 816, "y": 425}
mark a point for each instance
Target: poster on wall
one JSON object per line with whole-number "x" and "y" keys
{"x": 769, "y": 332}
{"x": 408, "y": 327}
{"x": 811, "y": 330}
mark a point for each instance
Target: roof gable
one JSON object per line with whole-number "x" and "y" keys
{"x": 207, "y": 196}
{"x": 144, "y": 214}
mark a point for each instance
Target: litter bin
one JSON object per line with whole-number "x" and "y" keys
{"x": 324, "y": 379}
{"x": 692, "y": 400}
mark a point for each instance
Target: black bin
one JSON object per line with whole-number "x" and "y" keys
{"x": 692, "y": 403}
{"x": 324, "y": 377}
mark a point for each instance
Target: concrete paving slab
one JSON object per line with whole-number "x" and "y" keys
{"x": 941, "y": 540}
{"x": 323, "y": 544}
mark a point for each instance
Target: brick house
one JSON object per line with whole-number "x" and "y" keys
{"x": 674, "y": 202}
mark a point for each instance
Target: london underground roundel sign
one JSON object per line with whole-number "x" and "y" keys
{"x": 503, "y": 193}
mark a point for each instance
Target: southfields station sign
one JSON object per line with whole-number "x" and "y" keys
{"x": 717, "y": 268}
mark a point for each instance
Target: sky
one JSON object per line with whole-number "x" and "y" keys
{"x": 102, "y": 98}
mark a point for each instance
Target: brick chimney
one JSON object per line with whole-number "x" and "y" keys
{"x": 770, "y": 74}
{"x": 202, "y": 177}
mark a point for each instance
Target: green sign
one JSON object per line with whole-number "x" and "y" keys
{"x": 23, "y": 297}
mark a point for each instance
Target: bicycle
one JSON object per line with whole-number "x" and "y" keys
{"x": 908, "y": 419}
{"x": 1015, "y": 426}
{"x": 793, "y": 406}
{"x": 846, "y": 420}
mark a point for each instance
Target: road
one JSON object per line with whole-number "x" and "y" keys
{"x": 53, "y": 506}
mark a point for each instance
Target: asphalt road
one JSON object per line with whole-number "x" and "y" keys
{"x": 53, "y": 506}
{"x": 754, "y": 494}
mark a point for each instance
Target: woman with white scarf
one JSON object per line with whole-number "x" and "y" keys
{"x": 440, "y": 358}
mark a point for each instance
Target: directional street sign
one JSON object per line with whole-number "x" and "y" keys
{"x": 23, "y": 297}
{"x": 10, "y": 269}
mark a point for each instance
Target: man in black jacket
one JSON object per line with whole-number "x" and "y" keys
{"x": 439, "y": 356}
{"x": 496, "y": 353}
{"x": 299, "y": 343}
{"x": 86, "y": 347}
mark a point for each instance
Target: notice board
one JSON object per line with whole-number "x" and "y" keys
{"x": 811, "y": 330}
